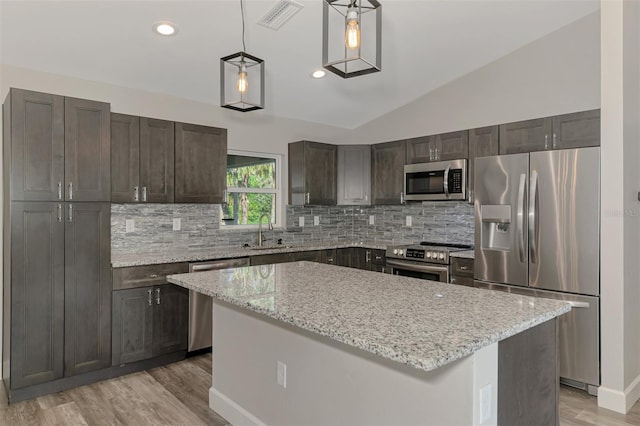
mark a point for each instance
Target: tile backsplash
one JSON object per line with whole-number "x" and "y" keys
{"x": 448, "y": 221}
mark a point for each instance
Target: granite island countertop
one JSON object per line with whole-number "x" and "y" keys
{"x": 155, "y": 258}
{"x": 420, "y": 323}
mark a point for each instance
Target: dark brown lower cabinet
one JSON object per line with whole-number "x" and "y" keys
{"x": 149, "y": 321}
{"x": 343, "y": 256}
{"x": 57, "y": 258}
{"x": 309, "y": 256}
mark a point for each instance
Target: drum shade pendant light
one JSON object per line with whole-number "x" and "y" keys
{"x": 242, "y": 79}
{"x": 351, "y": 37}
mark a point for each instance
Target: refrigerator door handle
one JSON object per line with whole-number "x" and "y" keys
{"x": 520, "y": 217}
{"x": 533, "y": 213}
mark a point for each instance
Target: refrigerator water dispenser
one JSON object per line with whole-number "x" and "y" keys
{"x": 496, "y": 227}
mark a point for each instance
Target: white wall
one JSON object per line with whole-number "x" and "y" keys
{"x": 620, "y": 225}
{"x": 254, "y": 131}
{"x": 556, "y": 74}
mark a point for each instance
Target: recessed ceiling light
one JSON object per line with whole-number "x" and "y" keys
{"x": 318, "y": 74}
{"x": 165, "y": 28}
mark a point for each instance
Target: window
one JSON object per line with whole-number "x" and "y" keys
{"x": 253, "y": 189}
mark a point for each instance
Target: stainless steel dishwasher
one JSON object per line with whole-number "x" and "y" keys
{"x": 200, "y": 314}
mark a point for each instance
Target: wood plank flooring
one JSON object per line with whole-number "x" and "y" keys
{"x": 178, "y": 394}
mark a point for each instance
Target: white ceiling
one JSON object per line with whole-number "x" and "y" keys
{"x": 425, "y": 45}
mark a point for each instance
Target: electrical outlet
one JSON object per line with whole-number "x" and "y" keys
{"x": 129, "y": 225}
{"x": 408, "y": 220}
{"x": 282, "y": 374}
{"x": 301, "y": 221}
{"x": 485, "y": 403}
{"x": 316, "y": 220}
{"x": 372, "y": 220}
{"x": 177, "y": 224}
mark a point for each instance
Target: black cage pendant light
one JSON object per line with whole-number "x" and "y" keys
{"x": 242, "y": 79}
{"x": 351, "y": 37}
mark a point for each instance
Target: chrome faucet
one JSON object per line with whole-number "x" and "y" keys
{"x": 261, "y": 237}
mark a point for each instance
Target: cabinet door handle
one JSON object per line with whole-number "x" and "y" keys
{"x": 554, "y": 141}
{"x": 366, "y": 196}
{"x": 463, "y": 268}
{"x": 71, "y": 190}
{"x": 136, "y": 194}
{"x": 402, "y": 198}
{"x": 330, "y": 260}
{"x": 308, "y": 198}
{"x": 59, "y": 212}
{"x": 367, "y": 257}
{"x": 158, "y": 296}
{"x": 144, "y": 194}
{"x": 70, "y": 212}
{"x": 59, "y": 190}
{"x": 546, "y": 141}
{"x": 150, "y": 297}
{"x": 153, "y": 275}
{"x": 224, "y": 197}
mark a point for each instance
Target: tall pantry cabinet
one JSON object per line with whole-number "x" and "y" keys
{"x": 57, "y": 281}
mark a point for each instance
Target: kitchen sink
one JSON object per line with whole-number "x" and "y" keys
{"x": 269, "y": 247}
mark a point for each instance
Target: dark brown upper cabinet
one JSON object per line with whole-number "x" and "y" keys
{"x": 156, "y": 161}
{"x": 312, "y": 173}
{"x": 573, "y": 130}
{"x": 354, "y": 174}
{"x": 483, "y": 142}
{"x": 445, "y": 146}
{"x": 87, "y": 152}
{"x": 142, "y": 159}
{"x": 576, "y": 130}
{"x": 34, "y": 145}
{"x": 125, "y": 158}
{"x": 387, "y": 172}
{"x": 200, "y": 163}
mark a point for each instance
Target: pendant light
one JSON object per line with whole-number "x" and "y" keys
{"x": 351, "y": 37}
{"x": 242, "y": 79}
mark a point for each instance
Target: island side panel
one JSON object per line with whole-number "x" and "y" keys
{"x": 528, "y": 381}
{"x": 331, "y": 383}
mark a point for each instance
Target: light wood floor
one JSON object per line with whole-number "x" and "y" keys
{"x": 177, "y": 394}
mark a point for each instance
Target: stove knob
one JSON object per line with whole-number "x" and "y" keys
{"x": 441, "y": 256}
{"x": 428, "y": 255}
{"x": 401, "y": 252}
{"x": 395, "y": 251}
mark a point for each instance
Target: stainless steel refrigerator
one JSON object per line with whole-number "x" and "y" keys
{"x": 537, "y": 218}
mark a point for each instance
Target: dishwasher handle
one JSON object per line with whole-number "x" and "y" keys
{"x": 221, "y": 264}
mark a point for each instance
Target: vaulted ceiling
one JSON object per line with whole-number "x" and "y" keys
{"x": 425, "y": 44}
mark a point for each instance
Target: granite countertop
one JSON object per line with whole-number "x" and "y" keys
{"x": 142, "y": 258}
{"x": 465, "y": 254}
{"x": 420, "y": 323}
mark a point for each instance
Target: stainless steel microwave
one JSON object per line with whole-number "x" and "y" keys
{"x": 441, "y": 180}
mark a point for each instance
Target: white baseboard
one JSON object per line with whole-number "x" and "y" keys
{"x": 619, "y": 401}
{"x": 230, "y": 410}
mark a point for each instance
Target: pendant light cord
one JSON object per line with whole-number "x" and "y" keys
{"x": 244, "y": 49}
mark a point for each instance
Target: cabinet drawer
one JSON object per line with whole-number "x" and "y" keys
{"x": 142, "y": 276}
{"x": 457, "y": 279}
{"x": 462, "y": 267}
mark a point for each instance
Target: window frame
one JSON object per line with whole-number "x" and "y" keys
{"x": 277, "y": 190}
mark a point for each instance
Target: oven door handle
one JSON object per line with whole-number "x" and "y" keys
{"x": 411, "y": 266}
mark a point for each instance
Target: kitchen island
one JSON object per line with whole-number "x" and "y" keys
{"x": 307, "y": 343}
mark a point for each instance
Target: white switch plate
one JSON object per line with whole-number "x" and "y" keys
{"x": 301, "y": 221}
{"x": 485, "y": 403}
{"x": 282, "y": 374}
{"x": 408, "y": 220}
{"x": 129, "y": 225}
{"x": 316, "y": 220}
{"x": 177, "y": 224}
{"x": 372, "y": 220}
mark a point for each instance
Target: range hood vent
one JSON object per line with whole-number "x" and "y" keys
{"x": 279, "y": 14}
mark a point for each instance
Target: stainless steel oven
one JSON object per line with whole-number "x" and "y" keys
{"x": 427, "y": 261}
{"x": 425, "y": 271}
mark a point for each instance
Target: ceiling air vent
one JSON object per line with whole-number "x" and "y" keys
{"x": 280, "y": 13}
